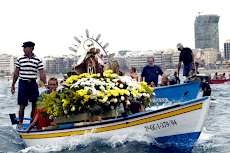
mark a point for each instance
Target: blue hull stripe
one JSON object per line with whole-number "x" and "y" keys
{"x": 182, "y": 141}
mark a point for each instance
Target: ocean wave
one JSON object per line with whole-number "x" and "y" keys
{"x": 89, "y": 140}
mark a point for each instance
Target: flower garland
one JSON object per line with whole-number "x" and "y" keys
{"x": 96, "y": 94}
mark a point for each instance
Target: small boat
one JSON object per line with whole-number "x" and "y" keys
{"x": 217, "y": 81}
{"x": 179, "y": 125}
{"x": 179, "y": 92}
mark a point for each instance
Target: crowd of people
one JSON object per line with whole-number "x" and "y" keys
{"x": 29, "y": 64}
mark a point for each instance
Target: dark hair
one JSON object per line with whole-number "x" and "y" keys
{"x": 151, "y": 58}
{"x": 223, "y": 73}
{"x": 175, "y": 73}
{"x": 134, "y": 107}
{"x": 134, "y": 69}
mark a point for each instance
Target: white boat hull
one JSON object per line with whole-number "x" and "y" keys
{"x": 184, "y": 120}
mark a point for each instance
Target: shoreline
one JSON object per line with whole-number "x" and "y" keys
{"x": 60, "y": 76}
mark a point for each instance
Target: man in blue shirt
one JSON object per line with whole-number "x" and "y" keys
{"x": 151, "y": 73}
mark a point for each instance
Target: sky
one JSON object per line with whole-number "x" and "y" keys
{"x": 124, "y": 24}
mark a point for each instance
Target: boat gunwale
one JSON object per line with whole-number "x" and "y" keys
{"x": 137, "y": 115}
{"x": 176, "y": 85}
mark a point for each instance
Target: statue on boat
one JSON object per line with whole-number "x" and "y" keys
{"x": 90, "y": 58}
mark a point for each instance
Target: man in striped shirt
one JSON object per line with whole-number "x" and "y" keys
{"x": 26, "y": 69}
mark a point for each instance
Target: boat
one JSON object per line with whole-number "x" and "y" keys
{"x": 178, "y": 125}
{"x": 218, "y": 81}
{"x": 178, "y": 92}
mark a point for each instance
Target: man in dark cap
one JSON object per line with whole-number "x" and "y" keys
{"x": 26, "y": 69}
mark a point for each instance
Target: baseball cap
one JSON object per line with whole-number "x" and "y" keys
{"x": 179, "y": 45}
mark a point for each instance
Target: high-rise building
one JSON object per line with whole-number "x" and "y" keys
{"x": 227, "y": 50}
{"x": 207, "y": 31}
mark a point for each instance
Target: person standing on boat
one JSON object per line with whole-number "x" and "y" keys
{"x": 26, "y": 69}
{"x": 187, "y": 57}
{"x": 151, "y": 73}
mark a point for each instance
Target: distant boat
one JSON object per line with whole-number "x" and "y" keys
{"x": 178, "y": 125}
{"x": 217, "y": 81}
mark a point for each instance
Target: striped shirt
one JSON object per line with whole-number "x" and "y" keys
{"x": 28, "y": 67}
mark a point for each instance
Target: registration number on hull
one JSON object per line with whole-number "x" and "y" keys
{"x": 161, "y": 125}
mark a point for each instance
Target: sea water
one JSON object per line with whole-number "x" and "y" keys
{"x": 215, "y": 136}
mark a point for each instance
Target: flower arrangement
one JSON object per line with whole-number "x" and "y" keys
{"x": 96, "y": 94}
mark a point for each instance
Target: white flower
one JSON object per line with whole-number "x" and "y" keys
{"x": 144, "y": 94}
{"x": 122, "y": 98}
{"x": 73, "y": 108}
{"x": 65, "y": 111}
{"x": 140, "y": 94}
{"x": 108, "y": 87}
{"x": 106, "y": 91}
{"x": 153, "y": 94}
{"x": 115, "y": 100}
{"x": 98, "y": 75}
{"x": 105, "y": 99}
{"x": 108, "y": 80}
{"x": 121, "y": 86}
{"x": 134, "y": 95}
{"x": 128, "y": 94}
{"x": 115, "y": 80}
{"x": 128, "y": 102}
{"x": 147, "y": 95}
{"x": 112, "y": 84}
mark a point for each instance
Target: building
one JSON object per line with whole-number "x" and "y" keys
{"x": 138, "y": 59}
{"x": 207, "y": 31}
{"x": 60, "y": 64}
{"x": 227, "y": 50}
{"x": 7, "y": 64}
{"x": 158, "y": 58}
{"x": 54, "y": 64}
{"x": 167, "y": 59}
{"x": 170, "y": 59}
{"x": 210, "y": 57}
{"x": 175, "y": 58}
